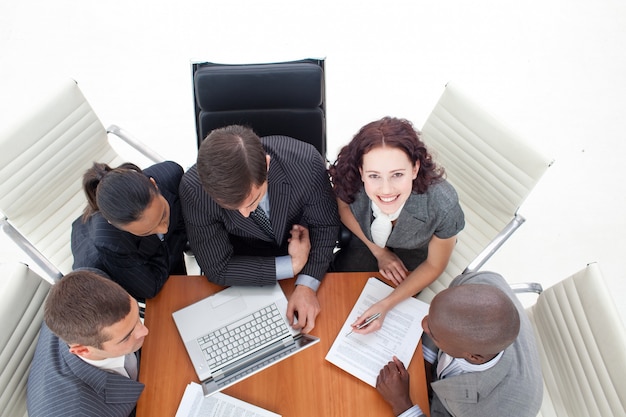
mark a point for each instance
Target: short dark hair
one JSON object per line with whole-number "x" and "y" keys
{"x": 388, "y": 131}
{"x": 120, "y": 194}
{"x": 230, "y": 161}
{"x": 81, "y": 304}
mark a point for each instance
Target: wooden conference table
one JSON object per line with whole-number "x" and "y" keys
{"x": 300, "y": 386}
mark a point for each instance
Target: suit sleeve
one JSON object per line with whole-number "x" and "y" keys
{"x": 142, "y": 277}
{"x": 322, "y": 219}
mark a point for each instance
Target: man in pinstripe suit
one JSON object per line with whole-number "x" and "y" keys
{"x": 240, "y": 179}
{"x": 85, "y": 363}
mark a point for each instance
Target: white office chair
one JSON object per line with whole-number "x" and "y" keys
{"x": 582, "y": 346}
{"x": 492, "y": 170}
{"x": 46, "y": 149}
{"x": 22, "y": 294}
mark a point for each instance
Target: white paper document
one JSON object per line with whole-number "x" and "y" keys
{"x": 195, "y": 404}
{"x": 365, "y": 355}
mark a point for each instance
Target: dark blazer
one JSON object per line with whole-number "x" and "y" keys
{"x": 139, "y": 264}
{"x": 233, "y": 250}
{"x": 60, "y": 384}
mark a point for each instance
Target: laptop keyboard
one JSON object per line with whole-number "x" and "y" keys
{"x": 243, "y": 336}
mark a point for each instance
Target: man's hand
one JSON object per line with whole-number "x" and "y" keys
{"x": 304, "y": 305}
{"x": 393, "y": 384}
{"x": 390, "y": 266}
{"x": 299, "y": 247}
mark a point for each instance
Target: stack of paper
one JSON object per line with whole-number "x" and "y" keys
{"x": 195, "y": 404}
{"x": 365, "y": 355}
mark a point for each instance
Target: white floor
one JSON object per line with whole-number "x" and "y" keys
{"x": 551, "y": 69}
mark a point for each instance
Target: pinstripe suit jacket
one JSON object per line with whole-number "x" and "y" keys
{"x": 232, "y": 250}
{"x": 61, "y": 384}
{"x": 139, "y": 264}
{"x": 512, "y": 387}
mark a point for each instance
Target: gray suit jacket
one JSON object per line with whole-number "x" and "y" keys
{"x": 436, "y": 212}
{"x": 233, "y": 250}
{"x": 61, "y": 384}
{"x": 513, "y": 387}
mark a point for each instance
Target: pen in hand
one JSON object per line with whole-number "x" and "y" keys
{"x": 366, "y": 322}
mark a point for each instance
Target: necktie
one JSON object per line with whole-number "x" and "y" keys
{"x": 381, "y": 226}
{"x": 261, "y": 219}
{"x": 130, "y": 364}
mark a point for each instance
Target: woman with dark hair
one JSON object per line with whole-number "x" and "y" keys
{"x": 132, "y": 227}
{"x": 403, "y": 214}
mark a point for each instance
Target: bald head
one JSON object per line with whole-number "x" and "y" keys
{"x": 475, "y": 318}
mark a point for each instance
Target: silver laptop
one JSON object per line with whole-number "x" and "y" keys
{"x": 236, "y": 333}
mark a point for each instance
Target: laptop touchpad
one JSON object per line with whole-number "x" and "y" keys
{"x": 227, "y": 297}
{"x": 225, "y": 308}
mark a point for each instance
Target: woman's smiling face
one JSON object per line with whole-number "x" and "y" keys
{"x": 387, "y": 174}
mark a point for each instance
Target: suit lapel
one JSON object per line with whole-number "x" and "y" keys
{"x": 279, "y": 191}
{"x": 112, "y": 387}
{"x": 411, "y": 218}
{"x": 362, "y": 211}
{"x": 246, "y": 224}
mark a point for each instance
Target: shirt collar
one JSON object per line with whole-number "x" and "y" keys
{"x": 472, "y": 367}
{"x": 108, "y": 364}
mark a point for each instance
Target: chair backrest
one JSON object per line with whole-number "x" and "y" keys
{"x": 284, "y": 98}
{"x": 22, "y": 294}
{"x": 582, "y": 346}
{"x": 45, "y": 151}
{"x": 492, "y": 170}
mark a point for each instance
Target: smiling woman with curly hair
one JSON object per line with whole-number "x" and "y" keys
{"x": 402, "y": 212}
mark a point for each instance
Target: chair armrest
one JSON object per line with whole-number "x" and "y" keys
{"x": 495, "y": 244}
{"x": 47, "y": 267}
{"x": 525, "y": 287}
{"x": 130, "y": 140}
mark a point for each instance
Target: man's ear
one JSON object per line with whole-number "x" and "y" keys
{"x": 154, "y": 183}
{"x": 267, "y": 161}
{"x": 80, "y": 350}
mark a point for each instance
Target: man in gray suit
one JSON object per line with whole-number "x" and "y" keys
{"x": 261, "y": 209}
{"x": 480, "y": 354}
{"x": 85, "y": 362}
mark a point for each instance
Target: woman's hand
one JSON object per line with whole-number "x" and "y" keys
{"x": 390, "y": 266}
{"x": 374, "y": 325}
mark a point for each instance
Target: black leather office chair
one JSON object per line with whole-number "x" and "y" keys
{"x": 284, "y": 98}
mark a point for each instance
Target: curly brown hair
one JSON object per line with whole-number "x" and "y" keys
{"x": 388, "y": 131}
